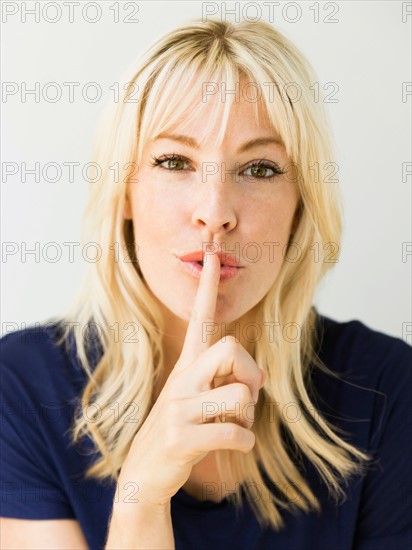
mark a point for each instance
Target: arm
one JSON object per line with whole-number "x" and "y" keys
{"x": 142, "y": 526}
{"x": 175, "y": 435}
{"x": 24, "y": 534}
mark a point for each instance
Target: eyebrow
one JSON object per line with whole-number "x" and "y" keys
{"x": 191, "y": 142}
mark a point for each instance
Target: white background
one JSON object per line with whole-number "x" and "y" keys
{"x": 367, "y": 53}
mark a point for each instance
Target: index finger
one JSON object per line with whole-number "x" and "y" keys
{"x": 204, "y": 309}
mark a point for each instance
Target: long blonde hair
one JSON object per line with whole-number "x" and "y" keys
{"x": 165, "y": 86}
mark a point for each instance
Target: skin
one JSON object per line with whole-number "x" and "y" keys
{"x": 175, "y": 208}
{"x": 177, "y": 437}
{"x": 173, "y": 211}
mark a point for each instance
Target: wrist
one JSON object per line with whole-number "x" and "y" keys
{"x": 139, "y": 493}
{"x": 140, "y": 524}
{"x": 141, "y": 507}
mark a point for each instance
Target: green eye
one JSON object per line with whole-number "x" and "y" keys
{"x": 173, "y": 163}
{"x": 258, "y": 169}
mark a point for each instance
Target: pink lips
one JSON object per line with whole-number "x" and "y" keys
{"x": 226, "y": 271}
{"x": 192, "y": 264}
{"x": 199, "y": 256}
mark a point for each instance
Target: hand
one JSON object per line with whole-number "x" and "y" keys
{"x": 179, "y": 431}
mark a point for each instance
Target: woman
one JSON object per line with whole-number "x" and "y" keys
{"x": 195, "y": 335}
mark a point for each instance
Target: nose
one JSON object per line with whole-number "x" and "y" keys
{"x": 214, "y": 212}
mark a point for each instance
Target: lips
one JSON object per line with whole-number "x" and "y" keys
{"x": 226, "y": 259}
{"x": 227, "y": 272}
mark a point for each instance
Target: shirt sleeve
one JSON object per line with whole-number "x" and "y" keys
{"x": 385, "y": 514}
{"x": 30, "y": 487}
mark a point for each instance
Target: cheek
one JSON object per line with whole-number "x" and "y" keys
{"x": 269, "y": 220}
{"x": 267, "y": 231}
{"x": 155, "y": 212}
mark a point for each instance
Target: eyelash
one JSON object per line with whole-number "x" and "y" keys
{"x": 158, "y": 161}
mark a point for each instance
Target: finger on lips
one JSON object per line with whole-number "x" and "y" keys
{"x": 215, "y": 361}
{"x": 204, "y": 309}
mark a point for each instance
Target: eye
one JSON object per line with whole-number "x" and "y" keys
{"x": 260, "y": 169}
{"x": 173, "y": 163}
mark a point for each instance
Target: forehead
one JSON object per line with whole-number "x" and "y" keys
{"x": 245, "y": 120}
{"x": 178, "y": 104}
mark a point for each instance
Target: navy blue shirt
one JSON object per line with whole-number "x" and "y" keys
{"x": 42, "y": 473}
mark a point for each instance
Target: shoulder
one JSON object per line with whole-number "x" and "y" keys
{"x": 373, "y": 387}
{"x": 36, "y": 341}
{"x": 372, "y": 402}
{"x": 32, "y": 358}
{"x": 38, "y": 392}
{"x": 352, "y": 347}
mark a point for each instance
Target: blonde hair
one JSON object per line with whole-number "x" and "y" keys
{"x": 169, "y": 79}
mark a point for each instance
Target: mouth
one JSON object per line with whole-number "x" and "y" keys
{"x": 195, "y": 268}
{"x": 198, "y": 256}
{"x": 192, "y": 263}
{"x": 201, "y": 263}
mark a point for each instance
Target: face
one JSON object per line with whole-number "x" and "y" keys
{"x": 213, "y": 194}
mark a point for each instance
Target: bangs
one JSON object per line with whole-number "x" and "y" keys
{"x": 181, "y": 89}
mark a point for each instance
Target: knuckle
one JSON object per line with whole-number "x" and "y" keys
{"x": 242, "y": 393}
{"x": 231, "y": 432}
{"x": 229, "y": 342}
{"x": 251, "y": 442}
